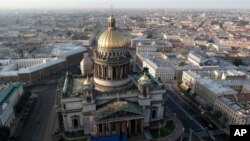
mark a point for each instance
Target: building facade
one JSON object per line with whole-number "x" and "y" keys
{"x": 9, "y": 96}
{"x": 113, "y": 101}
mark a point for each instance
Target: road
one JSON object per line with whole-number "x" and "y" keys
{"x": 189, "y": 115}
{"x": 38, "y": 126}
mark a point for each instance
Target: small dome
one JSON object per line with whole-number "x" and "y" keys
{"x": 111, "y": 37}
{"x": 87, "y": 81}
{"x": 144, "y": 77}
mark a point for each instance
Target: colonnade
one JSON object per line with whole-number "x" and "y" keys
{"x": 131, "y": 127}
{"x": 108, "y": 72}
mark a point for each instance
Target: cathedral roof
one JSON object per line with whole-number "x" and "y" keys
{"x": 111, "y": 37}
{"x": 115, "y": 107}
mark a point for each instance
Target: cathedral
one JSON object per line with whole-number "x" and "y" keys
{"x": 111, "y": 100}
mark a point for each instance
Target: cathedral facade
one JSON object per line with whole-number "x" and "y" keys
{"x": 113, "y": 100}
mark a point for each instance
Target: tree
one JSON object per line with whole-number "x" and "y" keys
{"x": 69, "y": 33}
{"x": 182, "y": 63}
{"x": 209, "y": 108}
{"x": 225, "y": 120}
{"x": 217, "y": 114}
{"x": 179, "y": 82}
{"x": 4, "y": 133}
{"x": 238, "y": 62}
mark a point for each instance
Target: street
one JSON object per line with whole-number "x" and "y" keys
{"x": 39, "y": 126}
{"x": 190, "y": 117}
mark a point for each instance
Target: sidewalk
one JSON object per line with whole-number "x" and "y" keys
{"x": 179, "y": 129}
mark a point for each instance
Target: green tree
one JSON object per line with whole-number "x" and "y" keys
{"x": 4, "y": 133}
{"x": 217, "y": 114}
{"x": 179, "y": 82}
{"x": 225, "y": 120}
{"x": 209, "y": 108}
{"x": 238, "y": 62}
{"x": 182, "y": 63}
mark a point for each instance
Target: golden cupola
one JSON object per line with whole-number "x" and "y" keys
{"x": 144, "y": 79}
{"x": 87, "y": 81}
{"x": 111, "y": 37}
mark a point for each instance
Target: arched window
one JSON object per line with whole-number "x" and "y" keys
{"x": 75, "y": 121}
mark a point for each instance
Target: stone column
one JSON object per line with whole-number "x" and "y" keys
{"x": 111, "y": 73}
{"x": 125, "y": 68}
{"x": 121, "y": 72}
{"x": 97, "y": 66}
{"x": 106, "y": 72}
{"x": 141, "y": 126}
{"x": 117, "y": 72}
{"x": 102, "y": 71}
{"x": 114, "y": 72}
{"x": 135, "y": 127}
{"x": 129, "y": 127}
{"x": 94, "y": 69}
{"x": 109, "y": 127}
{"x": 128, "y": 68}
{"x": 124, "y": 73}
{"x": 97, "y": 129}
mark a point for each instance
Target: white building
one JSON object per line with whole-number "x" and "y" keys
{"x": 234, "y": 112}
{"x": 226, "y": 91}
{"x": 201, "y": 59}
{"x": 33, "y": 69}
{"x": 9, "y": 95}
{"x": 166, "y": 66}
{"x": 208, "y": 91}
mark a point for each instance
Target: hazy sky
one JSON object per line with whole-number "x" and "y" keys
{"x": 239, "y": 4}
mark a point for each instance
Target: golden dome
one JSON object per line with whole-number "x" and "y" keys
{"x": 87, "y": 81}
{"x": 144, "y": 77}
{"x": 111, "y": 37}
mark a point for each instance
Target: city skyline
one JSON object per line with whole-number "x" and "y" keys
{"x": 76, "y": 4}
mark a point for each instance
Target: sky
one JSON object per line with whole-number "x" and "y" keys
{"x": 76, "y": 4}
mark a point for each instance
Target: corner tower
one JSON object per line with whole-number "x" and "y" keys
{"x": 111, "y": 60}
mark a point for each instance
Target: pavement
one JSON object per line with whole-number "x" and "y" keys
{"x": 179, "y": 129}
{"x": 39, "y": 125}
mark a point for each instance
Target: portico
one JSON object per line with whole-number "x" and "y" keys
{"x": 118, "y": 118}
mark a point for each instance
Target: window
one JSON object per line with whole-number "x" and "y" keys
{"x": 154, "y": 113}
{"x": 75, "y": 121}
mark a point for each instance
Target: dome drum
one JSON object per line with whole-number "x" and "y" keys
{"x": 111, "y": 58}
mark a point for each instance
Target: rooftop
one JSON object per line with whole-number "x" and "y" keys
{"x": 216, "y": 88}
